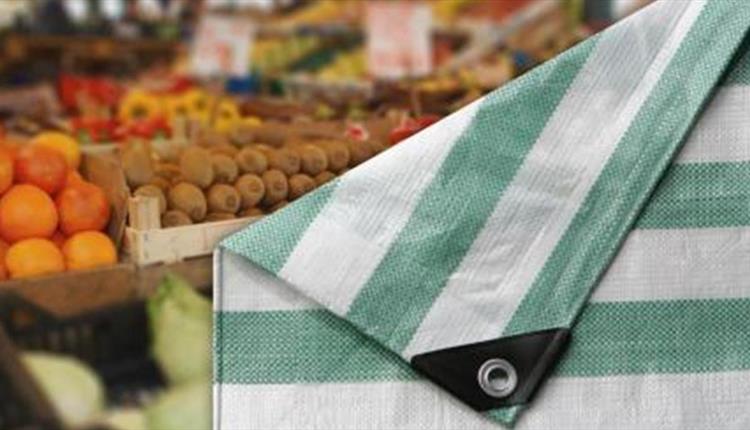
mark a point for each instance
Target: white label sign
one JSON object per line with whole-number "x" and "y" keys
{"x": 399, "y": 39}
{"x": 222, "y": 47}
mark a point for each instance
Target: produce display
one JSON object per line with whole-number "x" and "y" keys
{"x": 204, "y": 183}
{"x": 180, "y": 325}
{"x": 192, "y": 158}
{"x": 74, "y": 390}
{"x": 275, "y": 55}
{"x": 222, "y": 176}
{"x": 51, "y": 218}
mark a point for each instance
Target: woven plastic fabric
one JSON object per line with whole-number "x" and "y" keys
{"x": 607, "y": 191}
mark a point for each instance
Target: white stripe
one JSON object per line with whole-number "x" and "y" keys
{"x": 369, "y": 207}
{"x": 670, "y": 264}
{"x": 243, "y": 286}
{"x": 687, "y": 264}
{"x": 723, "y": 132}
{"x": 536, "y": 209}
{"x": 688, "y": 401}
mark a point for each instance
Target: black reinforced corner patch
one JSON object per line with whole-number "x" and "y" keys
{"x": 495, "y": 373}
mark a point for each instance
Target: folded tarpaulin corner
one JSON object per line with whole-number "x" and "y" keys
{"x": 469, "y": 251}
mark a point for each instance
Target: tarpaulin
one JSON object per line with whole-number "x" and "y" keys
{"x": 582, "y": 232}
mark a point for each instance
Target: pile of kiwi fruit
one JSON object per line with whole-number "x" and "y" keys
{"x": 217, "y": 180}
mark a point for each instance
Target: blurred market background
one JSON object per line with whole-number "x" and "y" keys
{"x": 135, "y": 134}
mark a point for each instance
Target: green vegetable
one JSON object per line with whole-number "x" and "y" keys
{"x": 73, "y": 389}
{"x": 180, "y": 321}
{"x": 125, "y": 419}
{"x": 187, "y": 407}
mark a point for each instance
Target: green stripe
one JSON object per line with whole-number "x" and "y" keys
{"x": 301, "y": 346}
{"x": 740, "y": 72}
{"x": 687, "y": 336}
{"x": 700, "y": 195}
{"x": 611, "y": 338}
{"x": 269, "y": 241}
{"x": 456, "y": 204}
{"x": 641, "y": 157}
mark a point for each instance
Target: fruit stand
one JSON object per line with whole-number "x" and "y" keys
{"x": 121, "y": 168}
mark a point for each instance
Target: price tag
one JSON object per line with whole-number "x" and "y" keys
{"x": 399, "y": 39}
{"x": 222, "y": 47}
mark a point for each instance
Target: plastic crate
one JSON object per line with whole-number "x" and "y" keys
{"x": 114, "y": 341}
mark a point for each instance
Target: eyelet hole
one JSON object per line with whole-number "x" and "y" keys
{"x": 497, "y": 378}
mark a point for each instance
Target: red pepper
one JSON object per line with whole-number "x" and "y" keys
{"x": 425, "y": 121}
{"x": 146, "y": 128}
{"x": 356, "y": 131}
{"x": 103, "y": 91}
{"x": 409, "y": 127}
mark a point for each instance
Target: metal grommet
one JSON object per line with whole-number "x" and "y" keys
{"x": 497, "y": 378}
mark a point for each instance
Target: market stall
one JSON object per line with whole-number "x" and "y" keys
{"x": 134, "y": 139}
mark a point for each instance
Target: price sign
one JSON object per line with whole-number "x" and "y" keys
{"x": 399, "y": 39}
{"x": 222, "y": 47}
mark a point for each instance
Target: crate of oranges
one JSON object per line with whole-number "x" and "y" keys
{"x": 52, "y": 219}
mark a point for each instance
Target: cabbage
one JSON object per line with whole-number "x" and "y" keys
{"x": 73, "y": 389}
{"x": 124, "y": 419}
{"x": 180, "y": 320}
{"x": 187, "y": 407}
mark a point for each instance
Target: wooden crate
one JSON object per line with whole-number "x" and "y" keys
{"x": 72, "y": 292}
{"x": 147, "y": 243}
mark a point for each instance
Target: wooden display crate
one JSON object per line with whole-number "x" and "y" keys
{"x": 69, "y": 293}
{"x": 147, "y": 243}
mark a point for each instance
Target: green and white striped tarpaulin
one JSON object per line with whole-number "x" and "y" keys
{"x": 606, "y": 192}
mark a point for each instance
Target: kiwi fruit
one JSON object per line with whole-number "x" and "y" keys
{"x": 360, "y": 152}
{"x": 278, "y": 205}
{"x": 264, "y": 148}
{"x": 210, "y": 138}
{"x": 323, "y": 177}
{"x": 137, "y": 163}
{"x": 313, "y": 159}
{"x": 299, "y": 185}
{"x": 250, "y": 160}
{"x": 274, "y": 135}
{"x": 225, "y": 169}
{"x": 189, "y": 199}
{"x": 219, "y": 216}
{"x": 166, "y": 170}
{"x": 223, "y": 198}
{"x": 251, "y": 212}
{"x": 376, "y": 146}
{"x": 251, "y": 189}
{"x": 276, "y": 185}
{"x": 242, "y": 135}
{"x": 226, "y": 149}
{"x": 196, "y": 168}
{"x": 153, "y": 191}
{"x": 175, "y": 218}
{"x": 286, "y": 160}
{"x": 337, "y": 154}
{"x": 160, "y": 182}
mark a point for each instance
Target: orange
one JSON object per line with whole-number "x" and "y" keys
{"x": 62, "y": 143}
{"x": 58, "y": 238}
{"x": 6, "y": 170}
{"x": 82, "y": 206}
{"x": 3, "y": 250}
{"x": 33, "y": 257}
{"x": 89, "y": 249}
{"x": 10, "y": 146}
{"x": 42, "y": 167}
{"x": 73, "y": 177}
{"x": 25, "y": 212}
